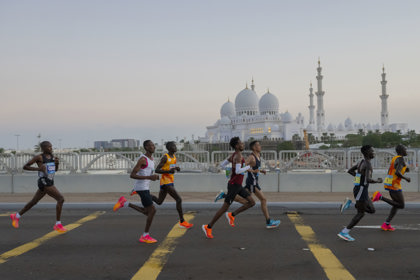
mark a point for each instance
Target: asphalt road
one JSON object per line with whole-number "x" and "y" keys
{"x": 107, "y": 246}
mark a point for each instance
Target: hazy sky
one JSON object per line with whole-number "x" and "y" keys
{"x": 90, "y": 70}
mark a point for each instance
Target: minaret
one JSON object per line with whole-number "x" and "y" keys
{"x": 311, "y": 108}
{"x": 384, "y": 99}
{"x": 320, "y": 113}
{"x": 252, "y": 84}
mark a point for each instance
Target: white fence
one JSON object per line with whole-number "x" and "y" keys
{"x": 202, "y": 161}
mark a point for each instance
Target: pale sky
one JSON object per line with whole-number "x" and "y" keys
{"x": 82, "y": 71}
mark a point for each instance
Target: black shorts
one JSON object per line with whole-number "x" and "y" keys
{"x": 252, "y": 188}
{"x": 146, "y": 198}
{"x": 233, "y": 190}
{"x": 361, "y": 193}
{"x": 45, "y": 182}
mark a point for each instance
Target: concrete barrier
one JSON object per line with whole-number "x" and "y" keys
{"x": 273, "y": 182}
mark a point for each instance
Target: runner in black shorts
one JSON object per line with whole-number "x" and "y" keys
{"x": 363, "y": 177}
{"x": 47, "y": 165}
{"x": 234, "y": 188}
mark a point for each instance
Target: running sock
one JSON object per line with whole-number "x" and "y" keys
{"x": 18, "y": 216}
{"x": 145, "y": 234}
{"x": 58, "y": 223}
{"x": 126, "y": 204}
{"x": 268, "y": 221}
{"x": 345, "y": 230}
{"x": 181, "y": 221}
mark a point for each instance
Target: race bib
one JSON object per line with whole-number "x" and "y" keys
{"x": 172, "y": 166}
{"x": 50, "y": 167}
{"x": 388, "y": 180}
{"x": 228, "y": 171}
{"x": 357, "y": 179}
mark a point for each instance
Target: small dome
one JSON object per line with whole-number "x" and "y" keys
{"x": 369, "y": 127}
{"x": 225, "y": 120}
{"x": 287, "y": 117}
{"x": 330, "y": 127}
{"x": 269, "y": 104}
{"x": 340, "y": 127}
{"x": 348, "y": 123}
{"x": 310, "y": 127}
{"x": 246, "y": 102}
{"x": 227, "y": 110}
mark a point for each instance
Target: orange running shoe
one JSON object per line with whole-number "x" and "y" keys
{"x": 147, "y": 239}
{"x": 207, "y": 231}
{"x": 15, "y": 221}
{"x": 230, "y": 218}
{"x": 185, "y": 224}
{"x": 120, "y": 203}
{"x": 60, "y": 228}
{"x": 133, "y": 192}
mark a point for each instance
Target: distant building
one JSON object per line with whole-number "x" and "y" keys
{"x": 117, "y": 143}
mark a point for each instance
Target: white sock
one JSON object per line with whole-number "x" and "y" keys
{"x": 345, "y": 230}
{"x": 126, "y": 204}
{"x": 58, "y": 223}
{"x": 145, "y": 234}
{"x": 18, "y": 216}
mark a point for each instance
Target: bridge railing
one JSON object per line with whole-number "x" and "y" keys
{"x": 268, "y": 158}
{"x": 312, "y": 159}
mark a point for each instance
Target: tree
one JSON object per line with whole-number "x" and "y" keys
{"x": 372, "y": 139}
{"x": 390, "y": 139}
{"x": 1, "y": 150}
{"x": 353, "y": 140}
{"x": 285, "y": 145}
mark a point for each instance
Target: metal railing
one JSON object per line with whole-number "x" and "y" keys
{"x": 202, "y": 161}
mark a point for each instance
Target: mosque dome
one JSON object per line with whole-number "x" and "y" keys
{"x": 225, "y": 120}
{"x": 227, "y": 110}
{"x": 246, "y": 102}
{"x": 330, "y": 127}
{"x": 287, "y": 117}
{"x": 310, "y": 127}
{"x": 340, "y": 127}
{"x": 269, "y": 104}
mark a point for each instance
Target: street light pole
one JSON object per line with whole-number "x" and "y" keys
{"x": 17, "y": 142}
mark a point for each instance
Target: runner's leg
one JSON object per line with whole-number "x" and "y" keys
{"x": 54, "y": 193}
{"x": 172, "y": 192}
{"x": 397, "y": 202}
{"x": 261, "y": 197}
{"x": 37, "y": 197}
{"x": 162, "y": 195}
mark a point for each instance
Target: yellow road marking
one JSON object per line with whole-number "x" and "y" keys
{"x": 333, "y": 268}
{"x": 154, "y": 265}
{"x": 7, "y": 214}
{"x": 37, "y": 242}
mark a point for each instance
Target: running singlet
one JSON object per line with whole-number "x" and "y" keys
{"x": 236, "y": 179}
{"x": 392, "y": 181}
{"x": 168, "y": 178}
{"x": 252, "y": 178}
{"x": 144, "y": 185}
{"x": 50, "y": 166}
{"x": 361, "y": 185}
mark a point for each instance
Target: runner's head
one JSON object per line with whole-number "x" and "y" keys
{"x": 401, "y": 150}
{"x": 149, "y": 146}
{"x": 255, "y": 146}
{"x": 237, "y": 144}
{"x": 171, "y": 147}
{"x": 46, "y": 147}
{"x": 367, "y": 151}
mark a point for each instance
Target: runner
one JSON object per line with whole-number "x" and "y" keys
{"x": 252, "y": 184}
{"x": 234, "y": 188}
{"x": 393, "y": 184}
{"x": 143, "y": 174}
{"x": 362, "y": 173}
{"x": 47, "y": 165}
{"x": 167, "y": 168}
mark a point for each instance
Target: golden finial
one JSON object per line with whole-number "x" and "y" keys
{"x": 268, "y": 89}
{"x": 246, "y": 85}
{"x": 311, "y": 83}
{"x": 383, "y": 68}
{"x": 319, "y": 61}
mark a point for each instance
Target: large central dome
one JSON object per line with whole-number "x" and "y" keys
{"x": 246, "y": 102}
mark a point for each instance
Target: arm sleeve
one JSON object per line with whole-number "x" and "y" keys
{"x": 239, "y": 170}
{"x": 224, "y": 164}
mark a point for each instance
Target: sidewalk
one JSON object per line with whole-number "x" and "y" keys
{"x": 200, "y": 197}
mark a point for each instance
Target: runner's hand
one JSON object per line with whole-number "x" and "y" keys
{"x": 177, "y": 168}
{"x": 379, "y": 180}
{"x": 408, "y": 180}
{"x": 154, "y": 177}
{"x": 56, "y": 160}
{"x": 263, "y": 171}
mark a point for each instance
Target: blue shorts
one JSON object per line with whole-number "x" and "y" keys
{"x": 167, "y": 185}
{"x": 146, "y": 198}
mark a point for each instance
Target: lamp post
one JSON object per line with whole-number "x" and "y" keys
{"x": 17, "y": 142}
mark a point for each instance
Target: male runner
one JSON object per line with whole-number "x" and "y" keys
{"x": 167, "y": 168}
{"x": 143, "y": 174}
{"x": 47, "y": 165}
{"x": 393, "y": 184}
{"x": 234, "y": 188}
{"x": 362, "y": 173}
{"x": 252, "y": 184}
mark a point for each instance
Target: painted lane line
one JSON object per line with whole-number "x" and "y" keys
{"x": 154, "y": 265}
{"x": 333, "y": 268}
{"x": 39, "y": 241}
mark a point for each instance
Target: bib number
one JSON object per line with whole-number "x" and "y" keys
{"x": 357, "y": 179}
{"x": 388, "y": 180}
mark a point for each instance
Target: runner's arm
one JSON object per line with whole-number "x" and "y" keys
{"x": 251, "y": 162}
{"x": 160, "y": 165}
{"x": 352, "y": 171}
{"x": 238, "y": 168}
{"x": 141, "y": 163}
{"x": 367, "y": 169}
{"x": 399, "y": 165}
{"x": 36, "y": 159}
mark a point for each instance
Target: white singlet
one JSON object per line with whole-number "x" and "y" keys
{"x": 143, "y": 185}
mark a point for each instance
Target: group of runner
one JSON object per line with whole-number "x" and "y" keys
{"x": 144, "y": 172}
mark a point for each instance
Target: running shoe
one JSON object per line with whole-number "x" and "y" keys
{"x": 120, "y": 203}
{"x": 207, "y": 231}
{"x": 230, "y": 218}
{"x": 387, "y": 227}
{"x": 133, "y": 192}
{"x": 220, "y": 195}
{"x": 60, "y": 228}
{"x": 346, "y": 205}
{"x": 147, "y": 239}
{"x": 273, "y": 224}
{"x": 185, "y": 224}
{"x": 15, "y": 221}
{"x": 345, "y": 236}
{"x": 376, "y": 196}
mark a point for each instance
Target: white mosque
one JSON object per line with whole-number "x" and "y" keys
{"x": 259, "y": 118}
